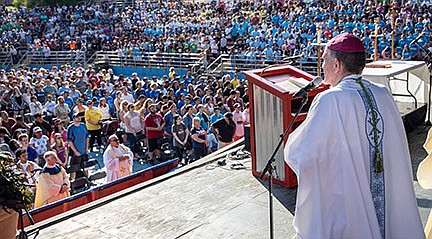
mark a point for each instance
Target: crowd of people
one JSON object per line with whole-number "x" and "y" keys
{"x": 269, "y": 30}
{"x": 65, "y": 113}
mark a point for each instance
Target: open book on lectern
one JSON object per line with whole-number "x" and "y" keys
{"x": 293, "y": 84}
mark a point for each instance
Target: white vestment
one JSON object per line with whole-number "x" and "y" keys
{"x": 117, "y": 168}
{"x": 330, "y": 152}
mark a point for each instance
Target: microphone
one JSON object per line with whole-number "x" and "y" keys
{"x": 303, "y": 91}
{"x": 416, "y": 39}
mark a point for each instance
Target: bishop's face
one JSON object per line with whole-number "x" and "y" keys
{"x": 329, "y": 68}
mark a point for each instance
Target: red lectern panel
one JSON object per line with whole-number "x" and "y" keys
{"x": 272, "y": 108}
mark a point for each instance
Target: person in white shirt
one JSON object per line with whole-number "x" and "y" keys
{"x": 35, "y": 106}
{"x": 49, "y": 106}
{"x": 126, "y": 95}
{"x": 28, "y": 168}
{"x": 104, "y": 108}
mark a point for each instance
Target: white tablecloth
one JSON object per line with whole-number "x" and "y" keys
{"x": 416, "y": 71}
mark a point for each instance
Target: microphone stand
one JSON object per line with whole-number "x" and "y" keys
{"x": 270, "y": 168}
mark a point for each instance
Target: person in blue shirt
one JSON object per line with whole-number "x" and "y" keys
{"x": 181, "y": 90}
{"x": 187, "y": 118}
{"x": 78, "y": 139}
{"x": 153, "y": 92}
{"x": 199, "y": 139}
{"x": 31, "y": 152}
{"x": 68, "y": 100}
{"x": 406, "y": 53}
{"x": 203, "y": 116}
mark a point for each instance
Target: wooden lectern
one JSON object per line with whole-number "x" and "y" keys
{"x": 272, "y": 108}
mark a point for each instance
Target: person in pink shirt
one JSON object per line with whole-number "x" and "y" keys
{"x": 238, "y": 119}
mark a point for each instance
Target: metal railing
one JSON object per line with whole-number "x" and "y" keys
{"x": 184, "y": 61}
{"x": 6, "y": 60}
{"x": 225, "y": 64}
{"x": 56, "y": 58}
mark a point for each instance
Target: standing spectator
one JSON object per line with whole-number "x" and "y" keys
{"x": 40, "y": 94}
{"x": 92, "y": 118}
{"x": 104, "y": 109}
{"x": 40, "y": 143}
{"x": 17, "y": 102}
{"x": 74, "y": 94}
{"x": 180, "y": 137}
{"x": 68, "y": 100}
{"x": 78, "y": 140}
{"x": 61, "y": 110}
{"x": 203, "y": 116}
{"x": 139, "y": 90}
{"x": 4, "y": 136}
{"x": 118, "y": 159}
{"x": 41, "y": 123}
{"x": 58, "y": 128}
{"x": 169, "y": 121}
{"x": 60, "y": 149}
{"x": 49, "y": 108}
{"x": 28, "y": 168}
{"x": 80, "y": 108}
{"x": 6, "y": 121}
{"x": 199, "y": 139}
{"x": 208, "y": 106}
{"x": 224, "y": 129}
{"x": 35, "y": 106}
{"x": 19, "y": 126}
{"x": 155, "y": 124}
{"x": 134, "y": 128}
{"x": 117, "y": 102}
{"x": 126, "y": 95}
{"x": 246, "y": 115}
{"x": 238, "y": 119}
{"x": 32, "y": 155}
{"x": 140, "y": 102}
{"x": 231, "y": 100}
{"x": 53, "y": 182}
{"x": 187, "y": 118}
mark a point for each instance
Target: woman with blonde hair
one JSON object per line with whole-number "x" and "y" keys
{"x": 60, "y": 149}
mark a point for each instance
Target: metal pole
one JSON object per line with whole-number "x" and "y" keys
{"x": 271, "y": 201}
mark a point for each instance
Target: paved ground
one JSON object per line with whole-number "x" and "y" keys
{"x": 204, "y": 202}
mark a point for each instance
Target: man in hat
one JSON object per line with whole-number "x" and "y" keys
{"x": 357, "y": 189}
{"x": 40, "y": 143}
{"x": 78, "y": 140}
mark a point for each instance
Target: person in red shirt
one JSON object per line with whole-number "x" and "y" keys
{"x": 231, "y": 100}
{"x": 154, "y": 124}
{"x": 327, "y": 34}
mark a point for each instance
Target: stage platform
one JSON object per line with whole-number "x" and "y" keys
{"x": 201, "y": 200}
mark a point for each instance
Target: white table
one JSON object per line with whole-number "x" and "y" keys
{"x": 408, "y": 81}
{"x": 415, "y": 74}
